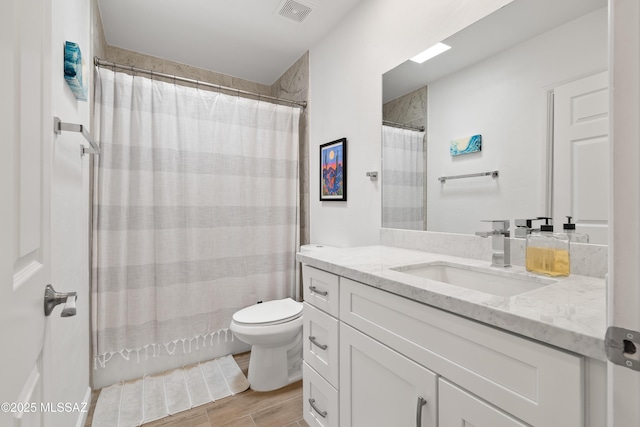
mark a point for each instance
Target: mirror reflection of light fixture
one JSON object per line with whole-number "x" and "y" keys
{"x": 429, "y": 53}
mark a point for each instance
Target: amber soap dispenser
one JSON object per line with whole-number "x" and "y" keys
{"x": 547, "y": 252}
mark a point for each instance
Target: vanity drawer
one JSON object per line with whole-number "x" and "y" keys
{"x": 534, "y": 382}
{"x": 320, "y": 343}
{"x": 319, "y": 400}
{"x": 321, "y": 289}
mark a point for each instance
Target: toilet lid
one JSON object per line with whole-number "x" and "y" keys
{"x": 270, "y": 312}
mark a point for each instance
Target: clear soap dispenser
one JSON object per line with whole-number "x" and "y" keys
{"x": 548, "y": 252}
{"x": 570, "y": 230}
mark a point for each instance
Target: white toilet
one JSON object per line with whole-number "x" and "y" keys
{"x": 274, "y": 331}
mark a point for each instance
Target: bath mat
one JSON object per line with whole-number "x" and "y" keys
{"x": 147, "y": 399}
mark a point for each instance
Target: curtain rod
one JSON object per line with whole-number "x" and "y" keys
{"x": 106, "y": 64}
{"x": 403, "y": 126}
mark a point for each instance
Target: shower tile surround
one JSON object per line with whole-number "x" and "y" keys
{"x": 148, "y": 62}
{"x": 294, "y": 85}
{"x": 569, "y": 314}
{"x": 409, "y": 109}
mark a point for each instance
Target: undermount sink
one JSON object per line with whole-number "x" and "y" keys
{"x": 496, "y": 282}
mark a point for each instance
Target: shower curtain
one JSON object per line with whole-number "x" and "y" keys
{"x": 403, "y": 175}
{"x": 195, "y": 214}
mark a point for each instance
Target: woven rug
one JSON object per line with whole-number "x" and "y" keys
{"x": 135, "y": 402}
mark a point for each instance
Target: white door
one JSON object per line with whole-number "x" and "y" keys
{"x": 623, "y": 387}
{"x": 581, "y": 156}
{"x": 380, "y": 387}
{"x": 26, "y": 132}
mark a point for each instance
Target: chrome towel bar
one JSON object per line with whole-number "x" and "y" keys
{"x": 443, "y": 179}
{"x": 59, "y": 126}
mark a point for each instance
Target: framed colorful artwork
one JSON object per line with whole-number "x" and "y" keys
{"x": 333, "y": 170}
{"x": 470, "y": 144}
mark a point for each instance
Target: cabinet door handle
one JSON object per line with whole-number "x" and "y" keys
{"x": 421, "y": 402}
{"x": 313, "y": 341}
{"x": 318, "y": 291}
{"x": 312, "y": 402}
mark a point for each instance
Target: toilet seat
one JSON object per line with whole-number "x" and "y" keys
{"x": 269, "y": 313}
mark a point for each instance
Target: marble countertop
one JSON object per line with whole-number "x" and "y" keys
{"x": 569, "y": 314}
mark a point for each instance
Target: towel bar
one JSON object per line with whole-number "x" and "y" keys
{"x": 59, "y": 126}
{"x": 443, "y": 179}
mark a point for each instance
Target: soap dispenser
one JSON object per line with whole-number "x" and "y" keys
{"x": 548, "y": 252}
{"x": 570, "y": 230}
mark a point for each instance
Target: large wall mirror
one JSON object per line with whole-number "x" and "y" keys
{"x": 531, "y": 79}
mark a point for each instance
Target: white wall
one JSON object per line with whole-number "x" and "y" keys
{"x": 346, "y": 70}
{"x": 68, "y": 345}
{"x": 504, "y": 99}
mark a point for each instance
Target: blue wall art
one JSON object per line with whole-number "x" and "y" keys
{"x": 73, "y": 70}
{"x": 333, "y": 170}
{"x": 466, "y": 145}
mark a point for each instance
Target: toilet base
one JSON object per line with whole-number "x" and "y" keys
{"x": 271, "y": 368}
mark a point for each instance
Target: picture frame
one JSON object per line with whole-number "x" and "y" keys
{"x": 333, "y": 170}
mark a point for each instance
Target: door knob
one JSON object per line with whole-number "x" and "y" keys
{"x": 53, "y": 298}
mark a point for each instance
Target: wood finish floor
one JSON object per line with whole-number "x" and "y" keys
{"x": 279, "y": 408}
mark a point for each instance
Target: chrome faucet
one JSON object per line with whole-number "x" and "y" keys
{"x": 499, "y": 233}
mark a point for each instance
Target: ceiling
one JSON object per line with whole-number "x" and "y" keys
{"x": 514, "y": 23}
{"x": 242, "y": 38}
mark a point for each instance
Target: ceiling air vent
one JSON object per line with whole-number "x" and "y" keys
{"x": 294, "y": 10}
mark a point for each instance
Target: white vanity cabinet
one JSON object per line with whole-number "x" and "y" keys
{"x": 396, "y": 354}
{"x": 535, "y": 383}
{"x": 320, "y": 347}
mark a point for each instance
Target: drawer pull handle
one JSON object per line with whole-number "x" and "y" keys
{"x": 421, "y": 402}
{"x": 318, "y": 291}
{"x": 312, "y": 402}
{"x": 313, "y": 341}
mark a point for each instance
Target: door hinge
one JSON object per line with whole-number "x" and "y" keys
{"x": 623, "y": 347}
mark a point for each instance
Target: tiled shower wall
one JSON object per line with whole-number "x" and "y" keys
{"x": 409, "y": 109}
{"x": 292, "y": 85}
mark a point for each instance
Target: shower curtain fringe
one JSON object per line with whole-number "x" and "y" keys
{"x": 169, "y": 348}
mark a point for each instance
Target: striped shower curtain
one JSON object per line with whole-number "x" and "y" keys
{"x": 403, "y": 175}
{"x": 195, "y": 213}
